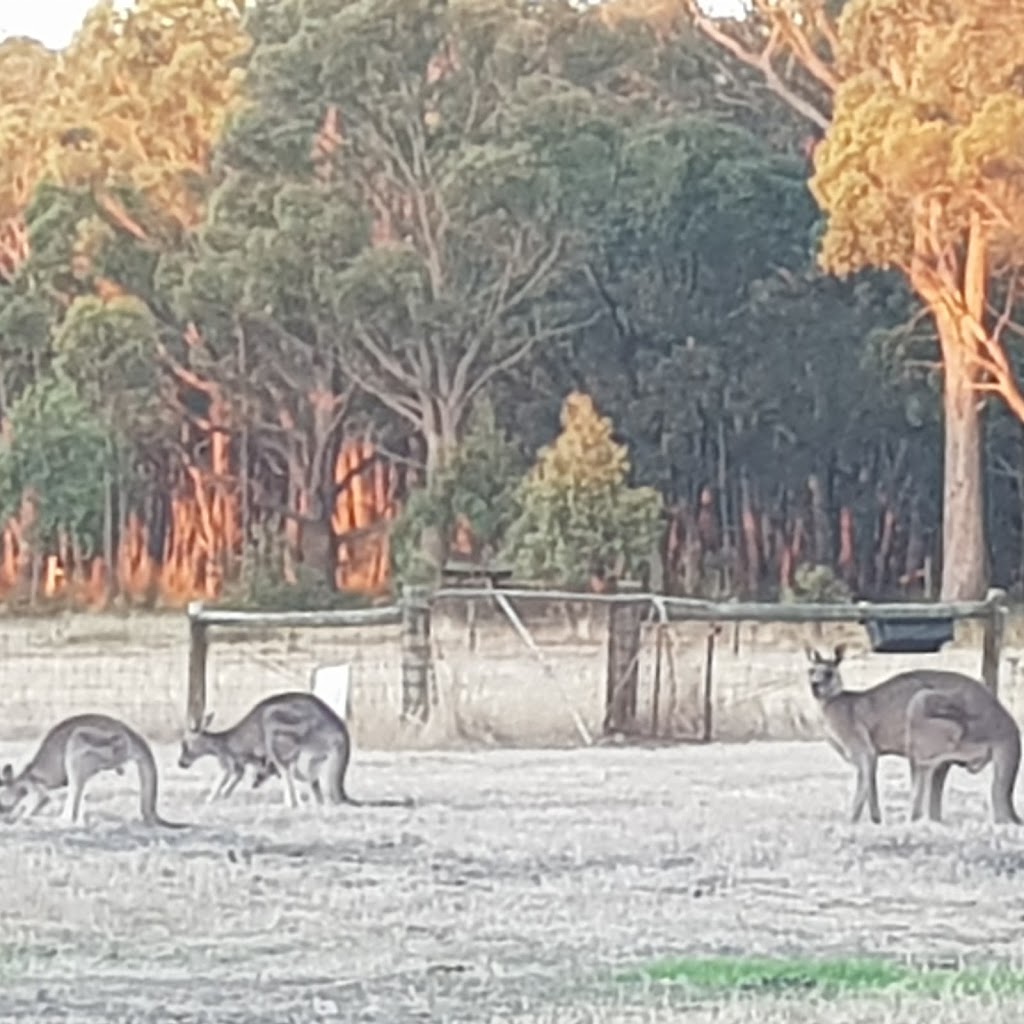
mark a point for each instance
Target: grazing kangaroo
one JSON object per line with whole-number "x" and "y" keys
{"x": 271, "y": 736}
{"x": 934, "y": 718}
{"x": 70, "y": 754}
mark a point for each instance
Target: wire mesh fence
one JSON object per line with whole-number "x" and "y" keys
{"x": 497, "y": 667}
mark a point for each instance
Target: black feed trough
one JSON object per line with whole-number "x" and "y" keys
{"x": 909, "y": 636}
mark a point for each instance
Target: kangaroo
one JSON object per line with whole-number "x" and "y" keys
{"x": 308, "y": 746}
{"x": 271, "y": 736}
{"x": 70, "y": 754}
{"x": 935, "y": 718}
{"x": 234, "y": 748}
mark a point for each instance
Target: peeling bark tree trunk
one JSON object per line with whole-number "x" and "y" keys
{"x": 954, "y": 303}
{"x": 964, "y": 568}
{"x": 440, "y": 436}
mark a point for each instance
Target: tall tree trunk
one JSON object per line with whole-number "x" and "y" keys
{"x": 440, "y": 436}
{"x": 821, "y": 533}
{"x": 954, "y": 304}
{"x": 964, "y": 568}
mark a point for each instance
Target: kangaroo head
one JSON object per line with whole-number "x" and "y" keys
{"x": 12, "y": 790}
{"x": 264, "y": 770}
{"x": 192, "y": 745}
{"x": 824, "y": 672}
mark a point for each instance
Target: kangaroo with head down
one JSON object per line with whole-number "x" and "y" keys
{"x": 934, "y": 718}
{"x": 70, "y": 754}
{"x": 272, "y": 736}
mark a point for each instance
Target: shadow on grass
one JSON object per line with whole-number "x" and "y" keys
{"x": 834, "y": 978}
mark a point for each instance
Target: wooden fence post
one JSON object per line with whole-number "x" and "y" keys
{"x": 708, "y": 715}
{"x": 415, "y": 653}
{"x": 625, "y": 619}
{"x": 992, "y": 639}
{"x": 198, "y": 643}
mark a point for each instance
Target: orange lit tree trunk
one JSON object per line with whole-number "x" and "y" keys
{"x": 955, "y": 292}
{"x": 964, "y": 562}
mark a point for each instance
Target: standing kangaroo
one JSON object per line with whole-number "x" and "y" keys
{"x": 70, "y": 754}
{"x": 934, "y": 718}
{"x": 272, "y": 736}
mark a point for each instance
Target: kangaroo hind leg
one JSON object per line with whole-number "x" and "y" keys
{"x": 282, "y": 751}
{"x": 87, "y": 753}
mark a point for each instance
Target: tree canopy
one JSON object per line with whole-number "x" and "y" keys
{"x": 919, "y": 171}
{"x": 321, "y": 280}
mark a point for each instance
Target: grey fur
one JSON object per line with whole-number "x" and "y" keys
{"x": 292, "y": 733}
{"x": 70, "y": 754}
{"x": 934, "y": 718}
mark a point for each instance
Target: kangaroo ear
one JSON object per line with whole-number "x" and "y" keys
{"x": 840, "y": 652}
{"x": 812, "y": 655}
{"x": 7, "y": 774}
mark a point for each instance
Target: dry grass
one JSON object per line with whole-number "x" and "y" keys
{"x": 519, "y": 886}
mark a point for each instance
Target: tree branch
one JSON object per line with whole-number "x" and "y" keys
{"x": 405, "y": 407}
{"x": 801, "y": 45}
{"x": 387, "y": 363}
{"x": 759, "y": 62}
{"x": 523, "y": 349}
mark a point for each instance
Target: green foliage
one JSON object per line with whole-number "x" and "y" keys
{"x": 261, "y": 588}
{"x": 58, "y": 454}
{"x": 432, "y": 247}
{"x": 109, "y": 349}
{"x": 427, "y": 513}
{"x": 422, "y": 203}
{"x": 52, "y": 320}
{"x": 579, "y": 518}
{"x": 816, "y": 584}
{"x": 478, "y": 486}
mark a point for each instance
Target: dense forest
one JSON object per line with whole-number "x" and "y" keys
{"x": 303, "y": 298}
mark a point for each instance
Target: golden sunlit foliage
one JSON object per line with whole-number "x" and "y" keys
{"x": 927, "y": 132}
{"x": 580, "y": 519}
{"x": 26, "y": 68}
{"x": 584, "y": 455}
{"x": 143, "y": 115}
{"x": 922, "y": 170}
{"x": 25, "y": 71}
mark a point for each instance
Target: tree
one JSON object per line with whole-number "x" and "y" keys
{"x": 473, "y": 500}
{"x": 741, "y": 379}
{"x": 580, "y": 520}
{"x": 55, "y": 457}
{"x": 26, "y": 68}
{"x": 115, "y": 154}
{"x": 442, "y": 142}
{"x": 147, "y": 115}
{"x": 920, "y": 171}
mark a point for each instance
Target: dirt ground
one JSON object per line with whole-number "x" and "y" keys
{"x": 514, "y": 889}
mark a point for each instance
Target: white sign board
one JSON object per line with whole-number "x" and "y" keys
{"x": 331, "y": 685}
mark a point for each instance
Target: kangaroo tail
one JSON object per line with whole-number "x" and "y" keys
{"x": 1005, "y": 764}
{"x": 148, "y": 786}
{"x": 339, "y": 759}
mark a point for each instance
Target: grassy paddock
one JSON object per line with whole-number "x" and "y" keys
{"x": 832, "y": 978}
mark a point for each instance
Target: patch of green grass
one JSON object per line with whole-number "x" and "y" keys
{"x": 830, "y": 979}
{"x": 15, "y": 956}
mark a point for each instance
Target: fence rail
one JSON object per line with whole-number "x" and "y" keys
{"x": 389, "y": 615}
{"x": 684, "y": 609}
{"x": 629, "y": 612}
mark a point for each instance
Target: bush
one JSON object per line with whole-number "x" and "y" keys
{"x": 579, "y": 518}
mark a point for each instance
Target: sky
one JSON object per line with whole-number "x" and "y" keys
{"x": 53, "y": 22}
